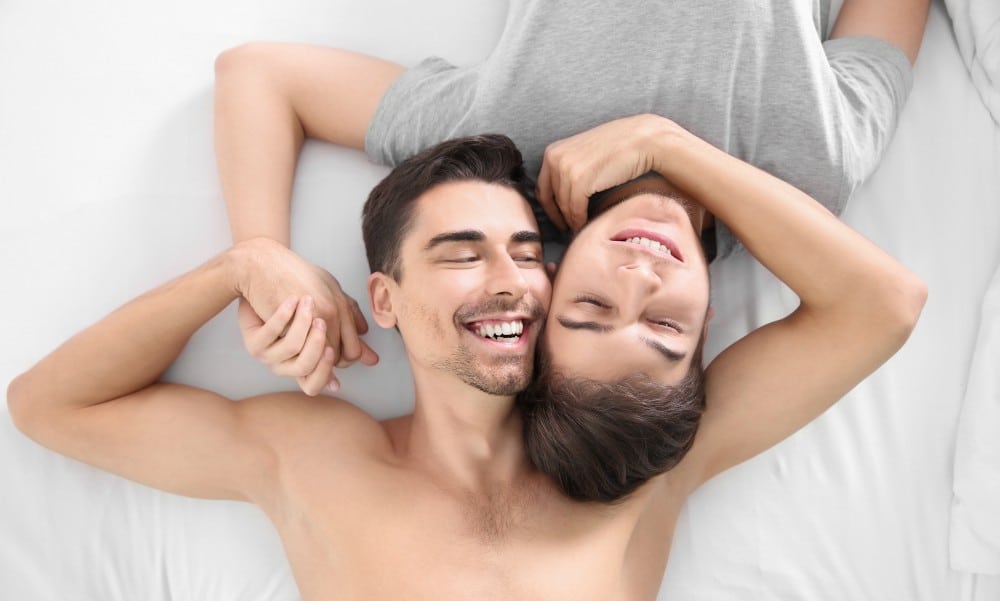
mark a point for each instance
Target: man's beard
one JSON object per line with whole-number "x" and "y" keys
{"x": 500, "y": 375}
{"x": 505, "y": 376}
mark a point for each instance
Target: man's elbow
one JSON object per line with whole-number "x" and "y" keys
{"x": 905, "y": 297}
{"x": 18, "y": 404}
{"x": 24, "y": 406}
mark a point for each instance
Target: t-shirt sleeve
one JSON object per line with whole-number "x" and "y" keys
{"x": 842, "y": 119}
{"x": 874, "y": 79}
{"x": 427, "y": 104}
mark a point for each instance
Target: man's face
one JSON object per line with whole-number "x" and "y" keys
{"x": 631, "y": 294}
{"x": 473, "y": 291}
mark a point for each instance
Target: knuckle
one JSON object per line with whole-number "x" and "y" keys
{"x": 351, "y": 353}
{"x": 551, "y": 155}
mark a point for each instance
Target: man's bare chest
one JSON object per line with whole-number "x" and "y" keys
{"x": 390, "y": 540}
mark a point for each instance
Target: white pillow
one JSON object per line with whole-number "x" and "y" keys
{"x": 977, "y": 29}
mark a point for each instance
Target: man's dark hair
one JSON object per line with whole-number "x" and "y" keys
{"x": 388, "y": 212}
{"x": 599, "y": 441}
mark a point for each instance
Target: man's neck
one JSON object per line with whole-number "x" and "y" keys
{"x": 464, "y": 435}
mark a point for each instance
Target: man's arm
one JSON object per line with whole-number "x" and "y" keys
{"x": 268, "y": 98}
{"x": 96, "y": 398}
{"x": 858, "y": 304}
{"x": 899, "y": 22}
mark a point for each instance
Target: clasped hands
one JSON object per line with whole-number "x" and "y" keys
{"x": 295, "y": 318}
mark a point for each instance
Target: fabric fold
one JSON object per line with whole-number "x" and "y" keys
{"x": 975, "y": 511}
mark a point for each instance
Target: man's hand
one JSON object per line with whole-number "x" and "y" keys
{"x": 319, "y": 330}
{"x": 577, "y": 167}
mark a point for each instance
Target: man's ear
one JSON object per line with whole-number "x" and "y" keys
{"x": 380, "y": 288}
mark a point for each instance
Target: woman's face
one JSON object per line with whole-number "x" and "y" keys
{"x": 632, "y": 292}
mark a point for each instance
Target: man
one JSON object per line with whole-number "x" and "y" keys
{"x": 762, "y": 81}
{"x": 446, "y": 496}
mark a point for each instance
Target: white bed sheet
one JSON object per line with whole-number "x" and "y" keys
{"x": 108, "y": 187}
{"x": 977, "y": 30}
{"x": 975, "y": 510}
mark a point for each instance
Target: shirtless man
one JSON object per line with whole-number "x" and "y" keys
{"x": 446, "y": 495}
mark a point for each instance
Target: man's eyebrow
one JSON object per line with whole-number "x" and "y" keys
{"x": 526, "y": 236}
{"x": 478, "y": 236}
{"x": 458, "y": 236}
{"x": 592, "y": 326}
{"x": 671, "y": 355}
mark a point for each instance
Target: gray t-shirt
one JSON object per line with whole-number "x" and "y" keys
{"x": 753, "y": 78}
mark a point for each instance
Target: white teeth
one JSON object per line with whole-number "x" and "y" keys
{"x": 506, "y": 329}
{"x": 651, "y": 244}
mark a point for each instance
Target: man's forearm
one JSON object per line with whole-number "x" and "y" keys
{"x": 257, "y": 143}
{"x": 129, "y": 349}
{"x": 823, "y": 260}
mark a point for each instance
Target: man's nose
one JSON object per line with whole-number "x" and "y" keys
{"x": 506, "y": 278}
{"x": 637, "y": 282}
{"x": 640, "y": 274}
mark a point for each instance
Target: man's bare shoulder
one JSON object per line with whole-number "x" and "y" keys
{"x": 293, "y": 422}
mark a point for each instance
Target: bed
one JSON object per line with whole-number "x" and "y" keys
{"x": 108, "y": 187}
